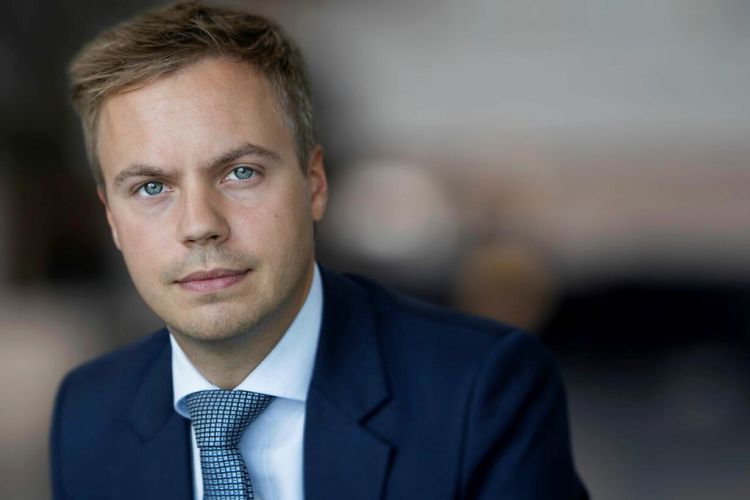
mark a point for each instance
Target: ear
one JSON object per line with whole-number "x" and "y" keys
{"x": 103, "y": 199}
{"x": 318, "y": 184}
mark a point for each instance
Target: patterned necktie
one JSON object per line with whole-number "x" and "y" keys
{"x": 219, "y": 418}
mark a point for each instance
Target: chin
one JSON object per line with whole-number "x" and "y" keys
{"x": 214, "y": 329}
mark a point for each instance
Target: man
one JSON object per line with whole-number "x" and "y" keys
{"x": 273, "y": 379}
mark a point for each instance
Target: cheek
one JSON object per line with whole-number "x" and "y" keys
{"x": 142, "y": 245}
{"x": 282, "y": 217}
{"x": 293, "y": 220}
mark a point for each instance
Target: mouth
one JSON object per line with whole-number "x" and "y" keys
{"x": 212, "y": 280}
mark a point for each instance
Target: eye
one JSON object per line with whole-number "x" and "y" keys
{"x": 151, "y": 189}
{"x": 241, "y": 173}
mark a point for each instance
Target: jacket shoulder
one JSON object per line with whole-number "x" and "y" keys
{"x": 104, "y": 413}
{"x": 436, "y": 349}
{"x": 118, "y": 367}
{"x": 502, "y": 429}
{"x": 414, "y": 317}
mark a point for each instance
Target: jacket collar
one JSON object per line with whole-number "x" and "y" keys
{"x": 342, "y": 457}
{"x": 349, "y": 367}
{"x": 163, "y": 468}
{"x": 152, "y": 407}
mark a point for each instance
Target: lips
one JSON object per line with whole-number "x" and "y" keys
{"x": 212, "y": 280}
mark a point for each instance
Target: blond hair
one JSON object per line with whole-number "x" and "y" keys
{"x": 162, "y": 41}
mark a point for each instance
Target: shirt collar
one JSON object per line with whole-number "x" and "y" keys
{"x": 285, "y": 372}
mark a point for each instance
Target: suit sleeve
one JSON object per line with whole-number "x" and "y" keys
{"x": 517, "y": 443}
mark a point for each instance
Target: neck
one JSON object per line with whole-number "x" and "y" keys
{"x": 227, "y": 362}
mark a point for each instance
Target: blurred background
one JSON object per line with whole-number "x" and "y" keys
{"x": 578, "y": 168}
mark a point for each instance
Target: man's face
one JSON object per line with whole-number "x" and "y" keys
{"x": 207, "y": 201}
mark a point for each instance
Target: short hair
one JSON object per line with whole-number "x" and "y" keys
{"x": 158, "y": 42}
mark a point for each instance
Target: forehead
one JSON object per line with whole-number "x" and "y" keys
{"x": 197, "y": 110}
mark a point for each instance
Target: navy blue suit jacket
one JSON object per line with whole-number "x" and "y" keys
{"x": 407, "y": 401}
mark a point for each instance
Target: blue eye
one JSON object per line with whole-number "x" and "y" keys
{"x": 151, "y": 188}
{"x": 243, "y": 173}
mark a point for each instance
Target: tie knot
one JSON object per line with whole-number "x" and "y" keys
{"x": 220, "y": 417}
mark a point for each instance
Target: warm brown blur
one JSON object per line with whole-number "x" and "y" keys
{"x": 580, "y": 169}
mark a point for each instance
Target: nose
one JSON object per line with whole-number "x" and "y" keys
{"x": 201, "y": 218}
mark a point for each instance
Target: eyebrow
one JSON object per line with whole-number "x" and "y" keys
{"x": 246, "y": 149}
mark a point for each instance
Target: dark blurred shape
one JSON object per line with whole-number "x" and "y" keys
{"x": 58, "y": 226}
{"x": 635, "y": 317}
{"x": 657, "y": 373}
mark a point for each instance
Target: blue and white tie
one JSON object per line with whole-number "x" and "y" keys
{"x": 219, "y": 418}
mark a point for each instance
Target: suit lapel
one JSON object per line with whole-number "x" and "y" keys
{"x": 162, "y": 467}
{"x": 342, "y": 458}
